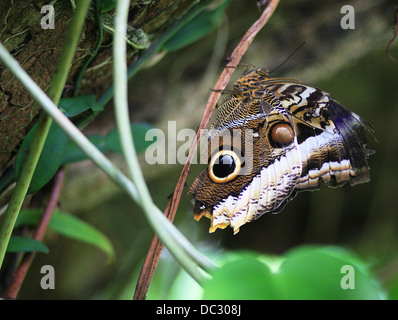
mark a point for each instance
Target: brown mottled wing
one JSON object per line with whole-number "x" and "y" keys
{"x": 329, "y": 146}
{"x": 332, "y": 139}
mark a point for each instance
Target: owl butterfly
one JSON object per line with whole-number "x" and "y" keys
{"x": 272, "y": 138}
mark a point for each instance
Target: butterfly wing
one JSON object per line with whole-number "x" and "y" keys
{"x": 300, "y": 138}
{"x": 332, "y": 139}
{"x": 268, "y": 174}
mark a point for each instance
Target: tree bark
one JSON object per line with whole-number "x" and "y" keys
{"x": 38, "y": 51}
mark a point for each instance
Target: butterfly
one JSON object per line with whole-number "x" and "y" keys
{"x": 272, "y": 138}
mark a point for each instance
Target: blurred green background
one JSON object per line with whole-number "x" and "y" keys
{"x": 349, "y": 64}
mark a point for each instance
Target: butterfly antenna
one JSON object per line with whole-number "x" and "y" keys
{"x": 297, "y": 49}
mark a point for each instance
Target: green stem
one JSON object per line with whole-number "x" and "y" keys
{"x": 68, "y": 51}
{"x": 55, "y": 92}
{"x": 22, "y": 185}
{"x": 99, "y": 159}
{"x": 178, "y": 244}
{"x": 162, "y": 228}
{"x": 98, "y": 20}
{"x": 65, "y": 124}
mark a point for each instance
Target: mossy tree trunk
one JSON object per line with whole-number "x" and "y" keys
{"x": 38, "y": 51}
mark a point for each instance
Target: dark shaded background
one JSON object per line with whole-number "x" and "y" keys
{"x": 349, "y": 64}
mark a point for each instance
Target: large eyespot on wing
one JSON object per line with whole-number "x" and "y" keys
{"x": 281, "y": 135}
{"x": 354, "y": 131}
{"x": 216, "y": 189}
{"x": 224, "y": 166}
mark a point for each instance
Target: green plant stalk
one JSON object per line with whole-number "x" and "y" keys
{"x": 22, "y": 185}
{"x": 99, "y": 159}
{"x": 122, "y": 118}
{"x": 120, "y": 83}
{"x": 94, "y": 154}
{"x": 55, "y": 92}
{"x": 68, "y": 51}
{"x": 70, "y": 129}
{"x": 98, "y": 19}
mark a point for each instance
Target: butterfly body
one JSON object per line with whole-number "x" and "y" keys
{"x": 272, "y": 138}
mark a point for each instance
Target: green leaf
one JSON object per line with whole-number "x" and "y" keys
{"x": 76, "y": 105}
{"x": 53, "y": 151}
{"x": 309, "y": 272}
{"x": 109, "y": 143}
{"x": 74, "y": 154}
{"x": 244, "y": 279}
{"x": 50, "y": 158}
{"x": 204, "y": 23}
{"x": 25, "y": 244}
{"x": 317, "y": 273}
{"x": 392, "y": 287}
{"x": 138, "y": 130}
{"x": 107, "y": 5}
{"x": 71, "y": 227}
{"x": 28, "y": 217}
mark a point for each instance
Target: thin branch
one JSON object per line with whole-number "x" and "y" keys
{"x": 156, "y": 247}
{"x": 183, "y": 251}
{"x": 391, "y": 41}
{"x": 14, "y": 287}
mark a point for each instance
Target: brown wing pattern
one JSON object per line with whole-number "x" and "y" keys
{"x": 271, "y": 138}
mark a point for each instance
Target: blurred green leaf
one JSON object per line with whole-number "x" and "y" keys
{"x": 54, "y": 148}
{"x": 74, "y": 154}
{"x": 318, "y": 273}
{"x": 50, "y": 158}
{"x": 107, "y": 5}
{"x": 25, "y": 244}
{"x": 393, "y": 288}
{"x": 138, "y": 130}
{"x": 204, "y": 23}
{"x": 73, "y": 106}
{"x": 246, "y": 279}
{"x": 71, "y": 227}
{"x": 109, "y": 143}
